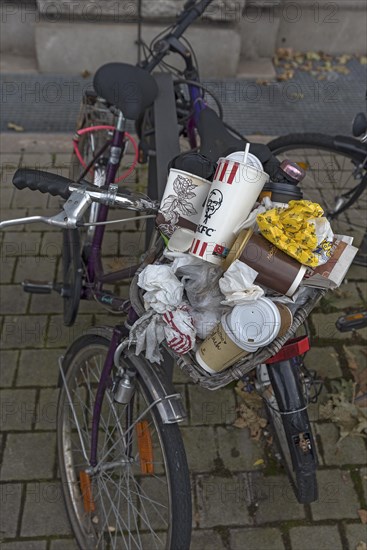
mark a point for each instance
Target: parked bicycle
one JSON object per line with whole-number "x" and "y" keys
{"x": 121, "y": 458}
{"x": 163, "y": 110}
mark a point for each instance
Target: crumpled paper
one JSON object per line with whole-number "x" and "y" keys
{"x": 147, "y": 334}
{"x": 293, "y": 230}
{"x": 176, "y": 327}
{"x": 237, "y": 284}
{"x": 179, "y": 330}
{"x": 164, "y": 290}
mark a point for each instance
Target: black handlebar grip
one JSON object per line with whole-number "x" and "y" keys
{"x": 42, "y": 181}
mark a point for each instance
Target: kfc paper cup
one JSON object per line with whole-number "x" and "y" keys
{"x": 182, "y": 202}
{"x": 234, "y": 191}
{"x": 242, "y": 331}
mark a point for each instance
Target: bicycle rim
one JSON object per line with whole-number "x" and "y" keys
{"x": 330, "y": 174}
{"x": 127, "y": 502}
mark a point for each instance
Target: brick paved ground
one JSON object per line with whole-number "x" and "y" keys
{"x": 237, "y": 505}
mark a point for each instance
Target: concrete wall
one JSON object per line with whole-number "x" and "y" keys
{"x": 77, "y": 35}
{"x": 82, "y": 46}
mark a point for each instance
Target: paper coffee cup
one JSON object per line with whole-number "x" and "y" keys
{"x": 182, "y": 201}
{"x": 242, "y": 331}
{"x": 181, "y": 240}
{"x": 276, "y": 270}
{"x": 234, "y": 191}
{"x": 219, "y": 351}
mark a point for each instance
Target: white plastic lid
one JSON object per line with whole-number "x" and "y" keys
{"x": 251, "y": 159}
{"x": 254, "y": 325}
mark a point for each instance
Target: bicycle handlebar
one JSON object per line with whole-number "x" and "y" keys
{"x": 184, "y": 20}
{"x": 79, "y": 198}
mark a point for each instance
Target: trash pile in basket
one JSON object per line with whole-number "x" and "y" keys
{"x": 241, "y": 251}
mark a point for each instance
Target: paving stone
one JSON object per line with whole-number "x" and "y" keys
{"x": 221, "y": 501}
{"x": 46, "y": 409}
{"x": 200, "y": 448}
{"x": 205, "y": 540}
{"x": 17, "y": 409}
{"x": 256, "y": 539}
{"x": 325, "y": 327}
{"x": 237, "y": 450}
{"x": 324, "y": 361}
{"x": 207, "y": 407}
{"x": 39, "y": 268}
{"x": 349, "y": 451}
{"x": 325, "y": 537}
{"x": 6, "y": 195}
{"x": 64, "y": 544}
{"x": 52, "y": 303}
{"x": 356, "y": 273}
{"x": 356, "y": 533}
{"x": 277, "y": 501}
{"x": 33, "y": 372}
{"x": 13, "y": 214}
{"x": 44, "y": 512}
{"x": 24, "y": 331}
{"x": 363, "y": 474}
{"x": 7, "y": 266}
{"x": 26, "y": 545}
{"x": 8, "y": 366}
{"x": 180, "y": 376}
{"x": 29, "y": 199}
{"x": 337, "y": 498}
{"x": 10, "y": 499}
{"x": 29, "y": 456}
{"x": 345, "y": 296}
{"x": 13, "y": 299}
{"x": 363, "y": 290}
{"x": 59, "y": 336}
{"x": 37, "y": 161}
{"x": 21, "y": 244}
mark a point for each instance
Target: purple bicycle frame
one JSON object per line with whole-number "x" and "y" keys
{"x": 95, "y": 270}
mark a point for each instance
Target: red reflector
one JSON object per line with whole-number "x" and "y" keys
{"x": 293, "y": 348}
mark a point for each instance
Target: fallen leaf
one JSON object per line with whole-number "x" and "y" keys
{"x": 313, "y": 56}
{"x": 351, "y": 358}
{"x": 262, "y": 82}
{"x": 343, "y": 59}
{"x": 361, "y": 545}
{"x": 16, "y": 127}
{"x": 85, "y": 73}
{"x": 259, "y": 462}
{"x": 363, "y": 516}
{"x": 363, "y": 60}
{"x": 284, "y": 53}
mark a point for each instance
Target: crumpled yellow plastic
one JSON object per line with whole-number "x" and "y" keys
{"x": 290, "y": 230}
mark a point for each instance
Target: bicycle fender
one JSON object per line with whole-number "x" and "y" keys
{"x": 169, "y": 402}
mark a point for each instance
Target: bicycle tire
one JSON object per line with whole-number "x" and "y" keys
{"x": 82, "y": 366}
{"x": 330, "y": 164}
{"x": 72, "y": 275}
{"x": 294, "y": 439}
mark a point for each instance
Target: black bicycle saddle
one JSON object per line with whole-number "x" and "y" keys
{"x": 127, "y": 87}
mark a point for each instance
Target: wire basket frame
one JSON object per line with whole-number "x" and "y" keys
{"x": 189, "y": 365}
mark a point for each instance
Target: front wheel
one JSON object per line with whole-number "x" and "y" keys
{"x": 138, "y": 496}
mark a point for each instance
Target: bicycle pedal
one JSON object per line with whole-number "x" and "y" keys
{"x": 37, "y": 287}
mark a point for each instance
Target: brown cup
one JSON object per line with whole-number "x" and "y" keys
{"x": 276, "y": 270}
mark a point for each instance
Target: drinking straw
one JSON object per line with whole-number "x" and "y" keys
{"x": 246, "y": 153}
